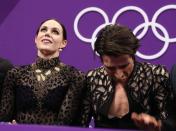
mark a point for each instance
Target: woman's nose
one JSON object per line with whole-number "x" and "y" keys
{"x": 47, "y": 34}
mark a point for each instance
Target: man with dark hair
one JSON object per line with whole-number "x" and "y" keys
{"x": 5, "y": 65}
{"x": 124, "y": 93}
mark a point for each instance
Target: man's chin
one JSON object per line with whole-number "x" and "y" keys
{"x": 122, "y": 81}
{"x": 116, "y": 80}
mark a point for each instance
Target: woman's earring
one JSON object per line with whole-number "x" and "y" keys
{"x": 60, "y": 49}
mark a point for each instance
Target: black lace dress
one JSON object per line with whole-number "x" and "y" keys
{"x": 46, "y": 92}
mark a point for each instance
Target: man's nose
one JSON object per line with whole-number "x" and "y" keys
{"x": 118, "y": 73}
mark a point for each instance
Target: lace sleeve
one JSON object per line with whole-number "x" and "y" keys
{"x": 86, "y": 110}
{"x": 161, "y": 90}
{"x": 8, "y": 96}
{"x": 70, "y": 109}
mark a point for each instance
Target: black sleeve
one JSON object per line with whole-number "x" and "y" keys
{"x": 4, "y": 67}
{"x": 70, "y": 109}
{"x": 86, "y": 107}
{"x": 170, "y": 123}
{"x": 8, "y": 96}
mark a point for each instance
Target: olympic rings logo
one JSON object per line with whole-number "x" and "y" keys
{"x": 153, "y": 24}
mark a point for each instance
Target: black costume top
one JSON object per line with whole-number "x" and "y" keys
{"x": 46, "y": 92}
{"x": 146, "y": 90}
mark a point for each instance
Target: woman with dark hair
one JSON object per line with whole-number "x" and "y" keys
{"x": 47, "y": 91}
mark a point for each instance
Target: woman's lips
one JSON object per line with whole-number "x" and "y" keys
{"x": 46, "y": 41}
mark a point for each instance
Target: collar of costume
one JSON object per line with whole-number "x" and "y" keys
{"x": 47, "y": 63}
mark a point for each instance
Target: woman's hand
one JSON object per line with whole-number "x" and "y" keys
{"x": 13, "y": 122}
{"x": 146, "y": 122}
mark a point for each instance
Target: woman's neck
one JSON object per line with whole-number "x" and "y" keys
{"x": 48, "y": 55}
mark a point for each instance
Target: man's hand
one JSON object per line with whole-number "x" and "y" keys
{"x": 146, "y": 122}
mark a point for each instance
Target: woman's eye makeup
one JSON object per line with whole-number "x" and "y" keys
{"x": 55, "y": 31}
{"x": 43, "y": 29}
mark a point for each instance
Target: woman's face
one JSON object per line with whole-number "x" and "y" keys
{"x": 50, "y": 38}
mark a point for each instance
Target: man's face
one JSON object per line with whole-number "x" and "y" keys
{"x": 119, "y": 67}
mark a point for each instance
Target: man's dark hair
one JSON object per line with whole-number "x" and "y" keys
{"x": 63, "y": 28}
{"x": 116, "y": 40}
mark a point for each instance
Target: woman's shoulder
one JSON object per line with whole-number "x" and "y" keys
{"x": 72, "y": 70}
{"x": 17, "y": 68}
